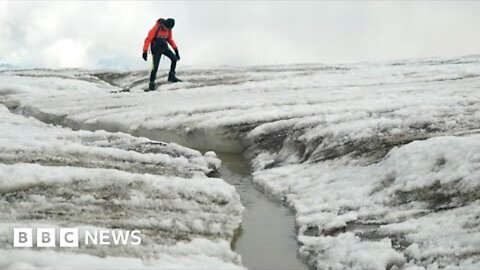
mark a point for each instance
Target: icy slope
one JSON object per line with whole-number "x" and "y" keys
{"x": 55, "y": 177}
{"x": 27, "y": 140}
{"x": 346, "y": 146}
{"x": 419, "y": 205}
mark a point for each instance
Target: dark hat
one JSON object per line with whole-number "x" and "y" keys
{"x": 169, "y": 23}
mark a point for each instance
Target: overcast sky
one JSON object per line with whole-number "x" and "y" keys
{"x": 111, "y": 34}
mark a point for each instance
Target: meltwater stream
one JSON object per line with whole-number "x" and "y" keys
{"x": 266, "y": 239}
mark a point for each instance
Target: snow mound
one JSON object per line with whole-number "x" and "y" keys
{"x": 58, "y": 178}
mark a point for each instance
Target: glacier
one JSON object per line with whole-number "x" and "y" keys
{"x": 378, "y": 160}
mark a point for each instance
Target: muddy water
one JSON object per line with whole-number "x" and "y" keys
{"x": 266, "y": 239}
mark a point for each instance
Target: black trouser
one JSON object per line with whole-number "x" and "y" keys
{"x": 156, "y": 62}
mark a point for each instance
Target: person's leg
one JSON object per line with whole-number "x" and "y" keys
{"x": 155, "y": 64}
{"x": 173, "y": 65}
{"x": 173, "y": 59}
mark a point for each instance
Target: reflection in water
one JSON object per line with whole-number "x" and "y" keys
{"x": 267, "y": 237}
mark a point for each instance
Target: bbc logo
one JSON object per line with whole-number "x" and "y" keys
{"x": 68, "y": 237}
{"x": 46, "y": 237}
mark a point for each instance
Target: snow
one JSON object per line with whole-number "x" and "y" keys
{"x": 184, "y": 256}
{"x": 379, "y": 160}
{"x": 56, "y": 177}
{"x": 44, "y": 143}
{"x": 423, "y": 194}
{"x": 348, "y": 251}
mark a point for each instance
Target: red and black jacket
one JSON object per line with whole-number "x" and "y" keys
{"x": 162, "y": 33}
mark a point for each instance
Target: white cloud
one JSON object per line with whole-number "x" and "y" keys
{"x": 66, "y": 53}
{"x": 101, "y": 34}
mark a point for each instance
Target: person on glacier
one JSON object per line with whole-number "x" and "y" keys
{"x": 158, "y": 39}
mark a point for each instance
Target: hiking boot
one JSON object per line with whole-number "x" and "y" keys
{"x": 151, "y": 86}
{"x": 172, "y": 78}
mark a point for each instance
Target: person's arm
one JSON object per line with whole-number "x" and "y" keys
{"x": 149, "y": 38}
{"x": 173, "y": 44}
{"x": 171, "y": 41}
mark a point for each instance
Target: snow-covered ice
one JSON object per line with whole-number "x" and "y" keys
{"x": 379, "y": 160}
{"x": 419, "y": 205}
{"x": 56, "y": 177}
